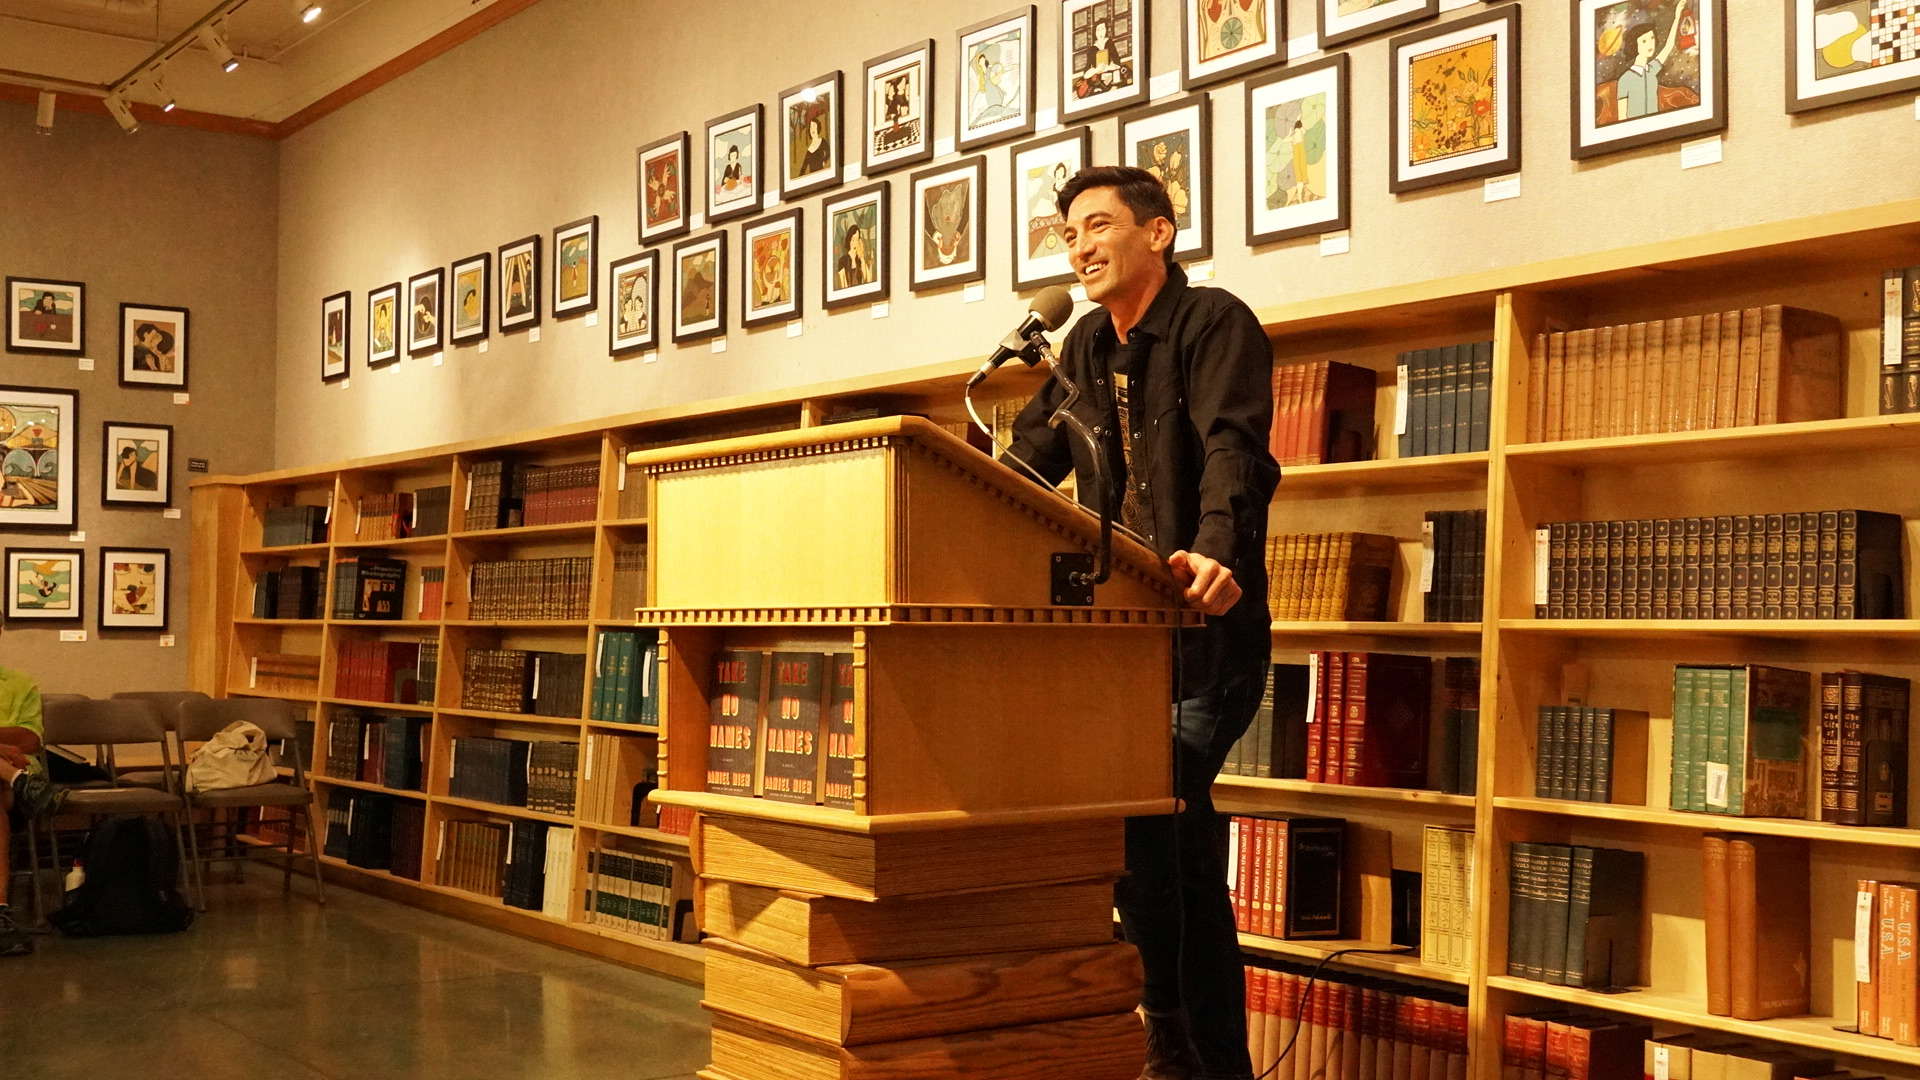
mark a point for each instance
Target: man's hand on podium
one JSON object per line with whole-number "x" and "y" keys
{"x": 1211, "y": 589}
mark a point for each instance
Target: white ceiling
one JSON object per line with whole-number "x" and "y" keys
{"x": 286, "y": 65}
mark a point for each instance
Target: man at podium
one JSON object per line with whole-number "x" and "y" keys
{"x": 1175, "y": 385}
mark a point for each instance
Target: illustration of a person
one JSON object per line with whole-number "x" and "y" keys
{"x": 1297, "y": 143}
{"x": 516, "y": 287}
{"x": 732, "y": 175}
{"x": 990, "y": 93}
{"x": 152, "y": 348}
{"x": 896, "y": 101}
{"x": 663, "y": 192}
{"x": 42, "y": 319}
{"x": 815, "y": 157}
{"x": 333, "y": 338}
{"x": 424, "y": 319}
{"x": 633, "y": 311}
{"x": 382, "y": 327}
{"x": 131, "y": 474}
{"x": 854, "y": 266}
{"x": 1638, "y": 88}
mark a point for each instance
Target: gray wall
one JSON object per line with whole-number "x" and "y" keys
{"x": 167, "y": 216}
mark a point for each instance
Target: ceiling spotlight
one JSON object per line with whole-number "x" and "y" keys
{"x": 168, "y": 103}
{"x": 309, "y": 13}
{"x": 216, "y": 43}
{"x": 43, "y": 115}
{"x": 117, "y": 105}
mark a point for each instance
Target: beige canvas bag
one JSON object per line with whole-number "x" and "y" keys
{"x": 235, "y": 757}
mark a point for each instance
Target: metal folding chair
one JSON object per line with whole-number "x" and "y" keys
{"x": 200, "y": 721}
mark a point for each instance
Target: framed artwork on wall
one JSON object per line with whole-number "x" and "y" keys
{"x": 576, "y": 255}
{"x": 39, "y": 439}
{"x": 770, "y": 253}
{"x": 336, "y": 323}
{"x": 45, "y": 586}
{"x": 1225, "y": 39}
{"x": 897, "y": 109}
{"x": 700, "y": 288}
{"x": 1173, "y": 142}
{"x": 810, "y": 118}
{"x": 1454, "y": 101}
{"x": 133, "y": 588}
{"x": 520, "y": 284}
{"x": 949, "y": 207}
{"x": 733, "y": 165}
{"x": 472, "y": 298}
{"x": 426, "y": 294}
{"x": 1298, "y": 149}
{"x": 1103, "y": 56}
{"x": 1647, "y": 71}
{"x": 153, "y": 346}
{"x": 857, "y": 263}
{"x": 137, "y": 464}
{"x": 383, "y": 330}
{"x": 1040, "y": 169}
{"x": 635, "y": 285}
{"x": 996, "y": 80}
{"x": 1344, "y": 21}
{"x": 1849, "y": 50}
{"x": 46, "y": 316}
{"x": 663, "y": 188}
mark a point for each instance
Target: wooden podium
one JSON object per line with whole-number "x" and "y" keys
{"x": 956, "y": 920}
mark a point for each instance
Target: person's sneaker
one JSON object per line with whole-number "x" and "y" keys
{"x": 36, "y": 796}
{"x": 13, "y": 940}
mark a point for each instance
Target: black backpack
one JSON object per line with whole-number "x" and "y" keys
{"x": 132, "y": 884}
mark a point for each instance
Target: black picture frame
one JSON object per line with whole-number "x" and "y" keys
{"x": 163, "y": 475}
{"x": 918, "y": 147}
{"x": 923, "y": 278}
{"x": 135, "y": 317}
{"x": 682, "y": 335}
{"x": 1342, "y": 150}
{"x": 1196, "y": 73}
{"x": 527, "y": 316}
{"x": 1140, "y": 37}
{"x": 426, "y": 345}
{"x": 821, "y": 179}
{"x": 18, "y": 342}
{"x": 1020, "y": 224}
{"x": 104, "y": 617}
{"x": 879, "y": 195}
{"x": 745, "y": 205}
{"x": 674, "y": 148}
{"x": 617, "y": 344}
{"x": 64, "y": 511}
{"x": 1712, "y": 12}
{"x": 482, "y": 266}
{"x": 1359, "y": 28}
{"x": 1196, "y": 240}
{"x": 1509, "y": 101}
{"x": 76, "y": 585}
{"x": 342, "y": 304}
{"x": 377, "y": 357}
{"x": 795, "y": 305}
{"x": 968, "y": 138}
{"x": 589, "y": 227}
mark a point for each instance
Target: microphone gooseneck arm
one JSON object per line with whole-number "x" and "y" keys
{"x": 1064, "y": 414}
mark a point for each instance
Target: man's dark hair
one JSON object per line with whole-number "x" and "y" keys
{"x": 1139, "y": 189}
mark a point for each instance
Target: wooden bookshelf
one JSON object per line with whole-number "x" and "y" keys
{"x": 1827, "y": 263}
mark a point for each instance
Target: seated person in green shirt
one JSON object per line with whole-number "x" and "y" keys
{"x": 22, "y": 783}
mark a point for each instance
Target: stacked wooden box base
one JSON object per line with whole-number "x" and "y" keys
{"x": 984, "y": 953}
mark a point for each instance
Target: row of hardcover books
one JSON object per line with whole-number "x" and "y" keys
{"x": 554, "y": 588}
{"x": 292, "y": 592}
{"x": 617, "y": 775}
{"x": 780, "y": 726}
{"x": 491, "y": 502}
{"x": 523, "y": 681}
{"x": 384, "y": 750}
{"x": 400, "y": 514}
{"x": 472, "y": 855}
{"x": 369, "y": 587}
{"x": 1339, "y": 576}
{"x": 286, "y": 526}
{"x": 1900, "y": 341}
{"x": 1579, "y": 1046}
{"x": 375, "y": 831}
{"x": 1760, "y": 365}
{"x": 625, "y": 671}
{"x": 1574, "y": 914}
{"x": 293, "y": 674}
{"x": 557, "y": 494}
{"x": 1308, "y": 1024}
{"x": 394, "y": 672}
{"x": 1886, "y": 975}
{"x": 1322, "y": 412}
{"x": 650, "y": 896}
{"x": 1712, "y": 1056}
{"x": 629, "y": 578}
{"x": 1832, "y": 564}
{"x": 538, "y": 775}
{"x": 1453, "y": 571}
{"x": 526, "y": 864}
{"x": 1590, "y": 754}
{"x": 1446, "y": 399}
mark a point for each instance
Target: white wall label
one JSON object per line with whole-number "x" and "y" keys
{"x": 78, "y": 536}
{"x": 170, "y": 512}
{"x": 1201, "y": 271}
{"x": 696, "y": 219}
{"x": 439, "y": 358}
{"x": 1700, "y": 152}
{"x": 770, "y": 200}
{"x": 1498, "y": 188}
{"x": 880, "y": 310}
{"x": 1303, "y": 45}
{"x": 483, "y": 346}
{"x": 942, "y": 147}
{"x": 719, "y": 344}
{"x": 348, "y": 383}
{"x": 973, "y": 293}
{"x": 651, "y": 356}
{"x": 1045, "y": 119}
{"x": 796, "y": 327}
{"x": 533, "y": 334}
{"x": 182, "y": 398}
{"x": 86, "y": 363}
{"x": 73, "y": 635}
{"x": 1336, "y": 243}
{"x": 850, "y": 173}
{"x": 593, "y": 318}
{"x": 166, "y": 641}
{"x": 1164, "y": 84}
{"x": 394, "y": 368}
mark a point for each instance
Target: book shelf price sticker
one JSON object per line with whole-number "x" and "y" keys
{"x": 1426, "y": 556}
{"x": 1662, "y": 1062}
{"x": 719, "y": 345}
{"x": 1700, "y": 152}
{"x": 1717, "y": 784}
{"x": 1498, "y": 189}
{"x": 1864, "y": 937}
{"x": 1542, "y": 558}
{"x": 182, "y": 398}
{"x": 1401, "y": 400}
{"x": 73, "y": 635}
{"x": 170, "y": 512}
{"x": 1336, "y": 243}
{"x": 86, "y": 363}
{"x": 796, "y": 327}
{"x": 973, "y": 293}
{"x": 880, "y": 310}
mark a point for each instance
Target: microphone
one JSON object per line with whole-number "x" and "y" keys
{"x": 1050, "y": 310}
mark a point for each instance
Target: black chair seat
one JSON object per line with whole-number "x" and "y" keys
{"x": 252, "y": 795}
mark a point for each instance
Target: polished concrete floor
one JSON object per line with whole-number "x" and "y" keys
{"x": 269, "y": 987}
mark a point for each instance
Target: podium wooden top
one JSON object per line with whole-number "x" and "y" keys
{"x": 888, "y": 512}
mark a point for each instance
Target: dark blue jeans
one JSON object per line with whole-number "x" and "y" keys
{"x": 1173, "y": 903}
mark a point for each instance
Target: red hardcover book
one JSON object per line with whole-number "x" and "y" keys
{"x": 1389, "y": 700}
{"x": 1333, "y": 758}
{"x": 1513, "y": 1048}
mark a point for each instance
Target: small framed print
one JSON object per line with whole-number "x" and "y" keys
{"x": 153, "y": 346}
{"x": 1647, "y": 71}
{"x": 663, "y": 188}
{"x": 472, "y": 299}
{"x": 700, "y": 288}
{"x": 1225, "y": 39}
{"x": 520, "y": 284}
{"x": 770, "y": 253}
{"x": 336, "y": 323}
{"x": 1103, "y": 56}
{"x": 1173, "y": 141}
{"x": 996, "y": 80}
{"x": 1849, "y": 50}
{"x": 576, "y": 254}
{"x": 383, "y": 330}
{"x": 897, "y": 109}
{"x": 949, "y": 206}
{"x": 39, "y": 439}
{"x": 635, "y": 285}
{"x": 733, "y": 165}
{"x": 1344, "y": 21}
{"x": 810, "y": 117}
{"x": 1454, "y": 101}
{"x": 133, "y": 588}
{"x": 45, "y": 586}
{"x": 1040, "y": 169}
{"x": 857, "y": 264}
{"x": 137, "y": 461}
{"x": 45, "y": 316}
{"x": 1298, "y": 149}
{"x": 425, "y": 298}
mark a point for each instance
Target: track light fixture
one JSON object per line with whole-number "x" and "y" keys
{"x": 216, "y": 43}
{"x": 122, "y": 115}
{"x": 308, "y": 12}
{"x": 167, "y": 104}
{"x": 43, "y": 114}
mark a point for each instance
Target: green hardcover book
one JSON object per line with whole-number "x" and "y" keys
{"x": 1584, "y": 751}
{"x": 597, "y": 704}
{"x": 1702, "y": 734}
{"x": 1737, "y": 685}
{"x": 1766, "y": 750}
{"x": 1719, "y": 719}
{"x": 1522, "y": 962}
{"x": 1678, "y": 784}
{"x": 648, "y": 682}
{"x": 623, "y": 683}
{"x": 1556, "y": 898}
{"x": 1262, "y": 730}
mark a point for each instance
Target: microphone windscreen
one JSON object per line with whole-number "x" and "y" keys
{"x": 1054, "y": 305}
